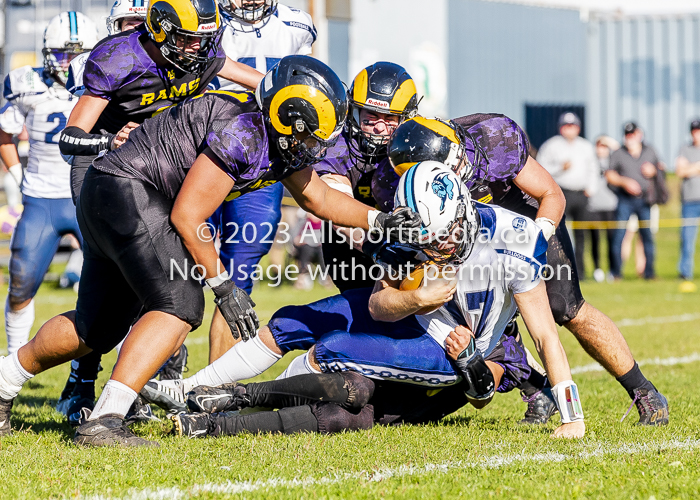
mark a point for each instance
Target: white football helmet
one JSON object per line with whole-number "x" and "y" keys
{"x": 249, "y": 11}
{"x": 450, "y": 223}
{"x": 123, "y": 9}
{"x": 67, "y": 35}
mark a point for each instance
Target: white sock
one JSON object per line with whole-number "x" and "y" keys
{"x": 115, "y": 398}
{"x": 12, "y": 376}
{"x": 244, "y": 360}
{"x": 299, "y": 366}
{"x": 17, "y": 325}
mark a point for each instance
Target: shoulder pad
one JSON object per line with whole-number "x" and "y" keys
{"x": 24, "y": 80}
{"x": 296, "y": 19}
{"x": 75, "y": 84}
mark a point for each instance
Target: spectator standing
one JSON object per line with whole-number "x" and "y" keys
{"x": 632, "y": 170}
{"x": 602, "y": 205}
{"x": 572, "y": 162}
{"x": 688, "y": 169}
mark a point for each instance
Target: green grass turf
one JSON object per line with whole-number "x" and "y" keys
{"x": 475, "y": 454}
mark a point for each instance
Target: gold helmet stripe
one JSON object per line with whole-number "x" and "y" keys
{"x": 403, "y": 96}
{"x": 185, "y": 12}
{"x": 438, "y": 127}
{"x": 403, "y": 167}
{"x": 324, "y": 109}
{"x": 360, "y": 87}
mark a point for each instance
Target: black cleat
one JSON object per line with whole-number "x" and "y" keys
{"x": 652, "y": 407}
{"x": 193, "y": 425}
{"x": 168, "y": 394}
{"x": 5, "y": 414}
{"x": 139, "y": 412}
{"x": 108, "y": 430}
{"x": 83, "y": 396}
{"x": 226, "y": 397}
{"x": 175, "y": 366}
{"x": 540, "y": 407}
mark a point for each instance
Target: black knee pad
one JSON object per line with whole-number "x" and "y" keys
{"x": 360, "y": 390}
{"x": 333, "y": 418}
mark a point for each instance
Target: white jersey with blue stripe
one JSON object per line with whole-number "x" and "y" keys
{"x": 506, "y": 259}
{"x": 74, "y": 84}
{"x": 286, "y": 32}
{"x": 43, "y": 106}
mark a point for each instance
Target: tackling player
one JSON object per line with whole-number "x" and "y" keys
{"x": 258, "y": 33}
{"x": 382, "y": 96}
{"x": 517, "y": 182}
{"x": 388, "y": 336}
{"x": 143, "y": 211}
{"x": 127, "y": 78}
{"x": 43, "y": 105}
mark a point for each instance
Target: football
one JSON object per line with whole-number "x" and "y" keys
{"x": 428, "y": 275}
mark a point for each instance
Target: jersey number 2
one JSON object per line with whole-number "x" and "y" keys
{"x": 57, "y": 129}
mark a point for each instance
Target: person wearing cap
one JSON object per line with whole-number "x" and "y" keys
{"x": 632, "y": 168}
{"x": 688, "y": 169}
{"x": 572, "y": 162}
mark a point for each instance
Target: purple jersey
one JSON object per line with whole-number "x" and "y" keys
{"x": 120, "y": 70}
{"x": 228, "y": 124}
{"x": 339, "y": 161}
{"x": 505, "y": 146}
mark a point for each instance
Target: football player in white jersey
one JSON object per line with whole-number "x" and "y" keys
{"x": 41, "y": 99}
{"x": 396, "y": 335}
{"x": 258, "y": 33}
{"x": 125, "y": 15}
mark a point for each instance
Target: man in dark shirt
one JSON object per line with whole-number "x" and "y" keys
{"x": 632, "y": 167}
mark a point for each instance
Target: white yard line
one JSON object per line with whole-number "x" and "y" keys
{"x": 683, "y": 360}
{"x": 593, "y": 450}
{"x": 655, "y": 320}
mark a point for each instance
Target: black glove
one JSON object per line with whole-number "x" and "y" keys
{"x": 477, "y": 375}
{"x": 237, "y": 309}
{"x": 401, "y": 225}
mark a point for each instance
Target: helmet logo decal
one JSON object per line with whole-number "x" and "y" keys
{"x": 323, "y": 106}
{"x": 443, "y": 187}
{"x": 377, "y": 103}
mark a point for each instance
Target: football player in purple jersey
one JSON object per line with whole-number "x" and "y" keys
{"x": 491, "y": 153}
{"x": 143, "y": 213}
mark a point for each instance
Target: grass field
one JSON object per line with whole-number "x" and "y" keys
{"x": 475, "y": 454}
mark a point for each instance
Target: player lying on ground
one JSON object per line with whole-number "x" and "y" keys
{"x": 491, "y": 153}
{"x": 380, "y": 333}
{"x": 142, "y": 211}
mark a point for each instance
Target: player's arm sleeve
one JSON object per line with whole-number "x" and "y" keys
{"x": 507, "y": 146}
{"x": 228, "y": 152}
{"x": 337, "y": 160}
{"x": 11, "y": 119}
{"x": 97, "y": 82}
{"x": 528, "y": 271}
{"x": 75, "y": 141}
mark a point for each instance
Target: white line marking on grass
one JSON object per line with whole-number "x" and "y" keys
{"x": 683, "y": 360}
{"x": 655, "y": 320}
{"x": 594, "y": 450}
